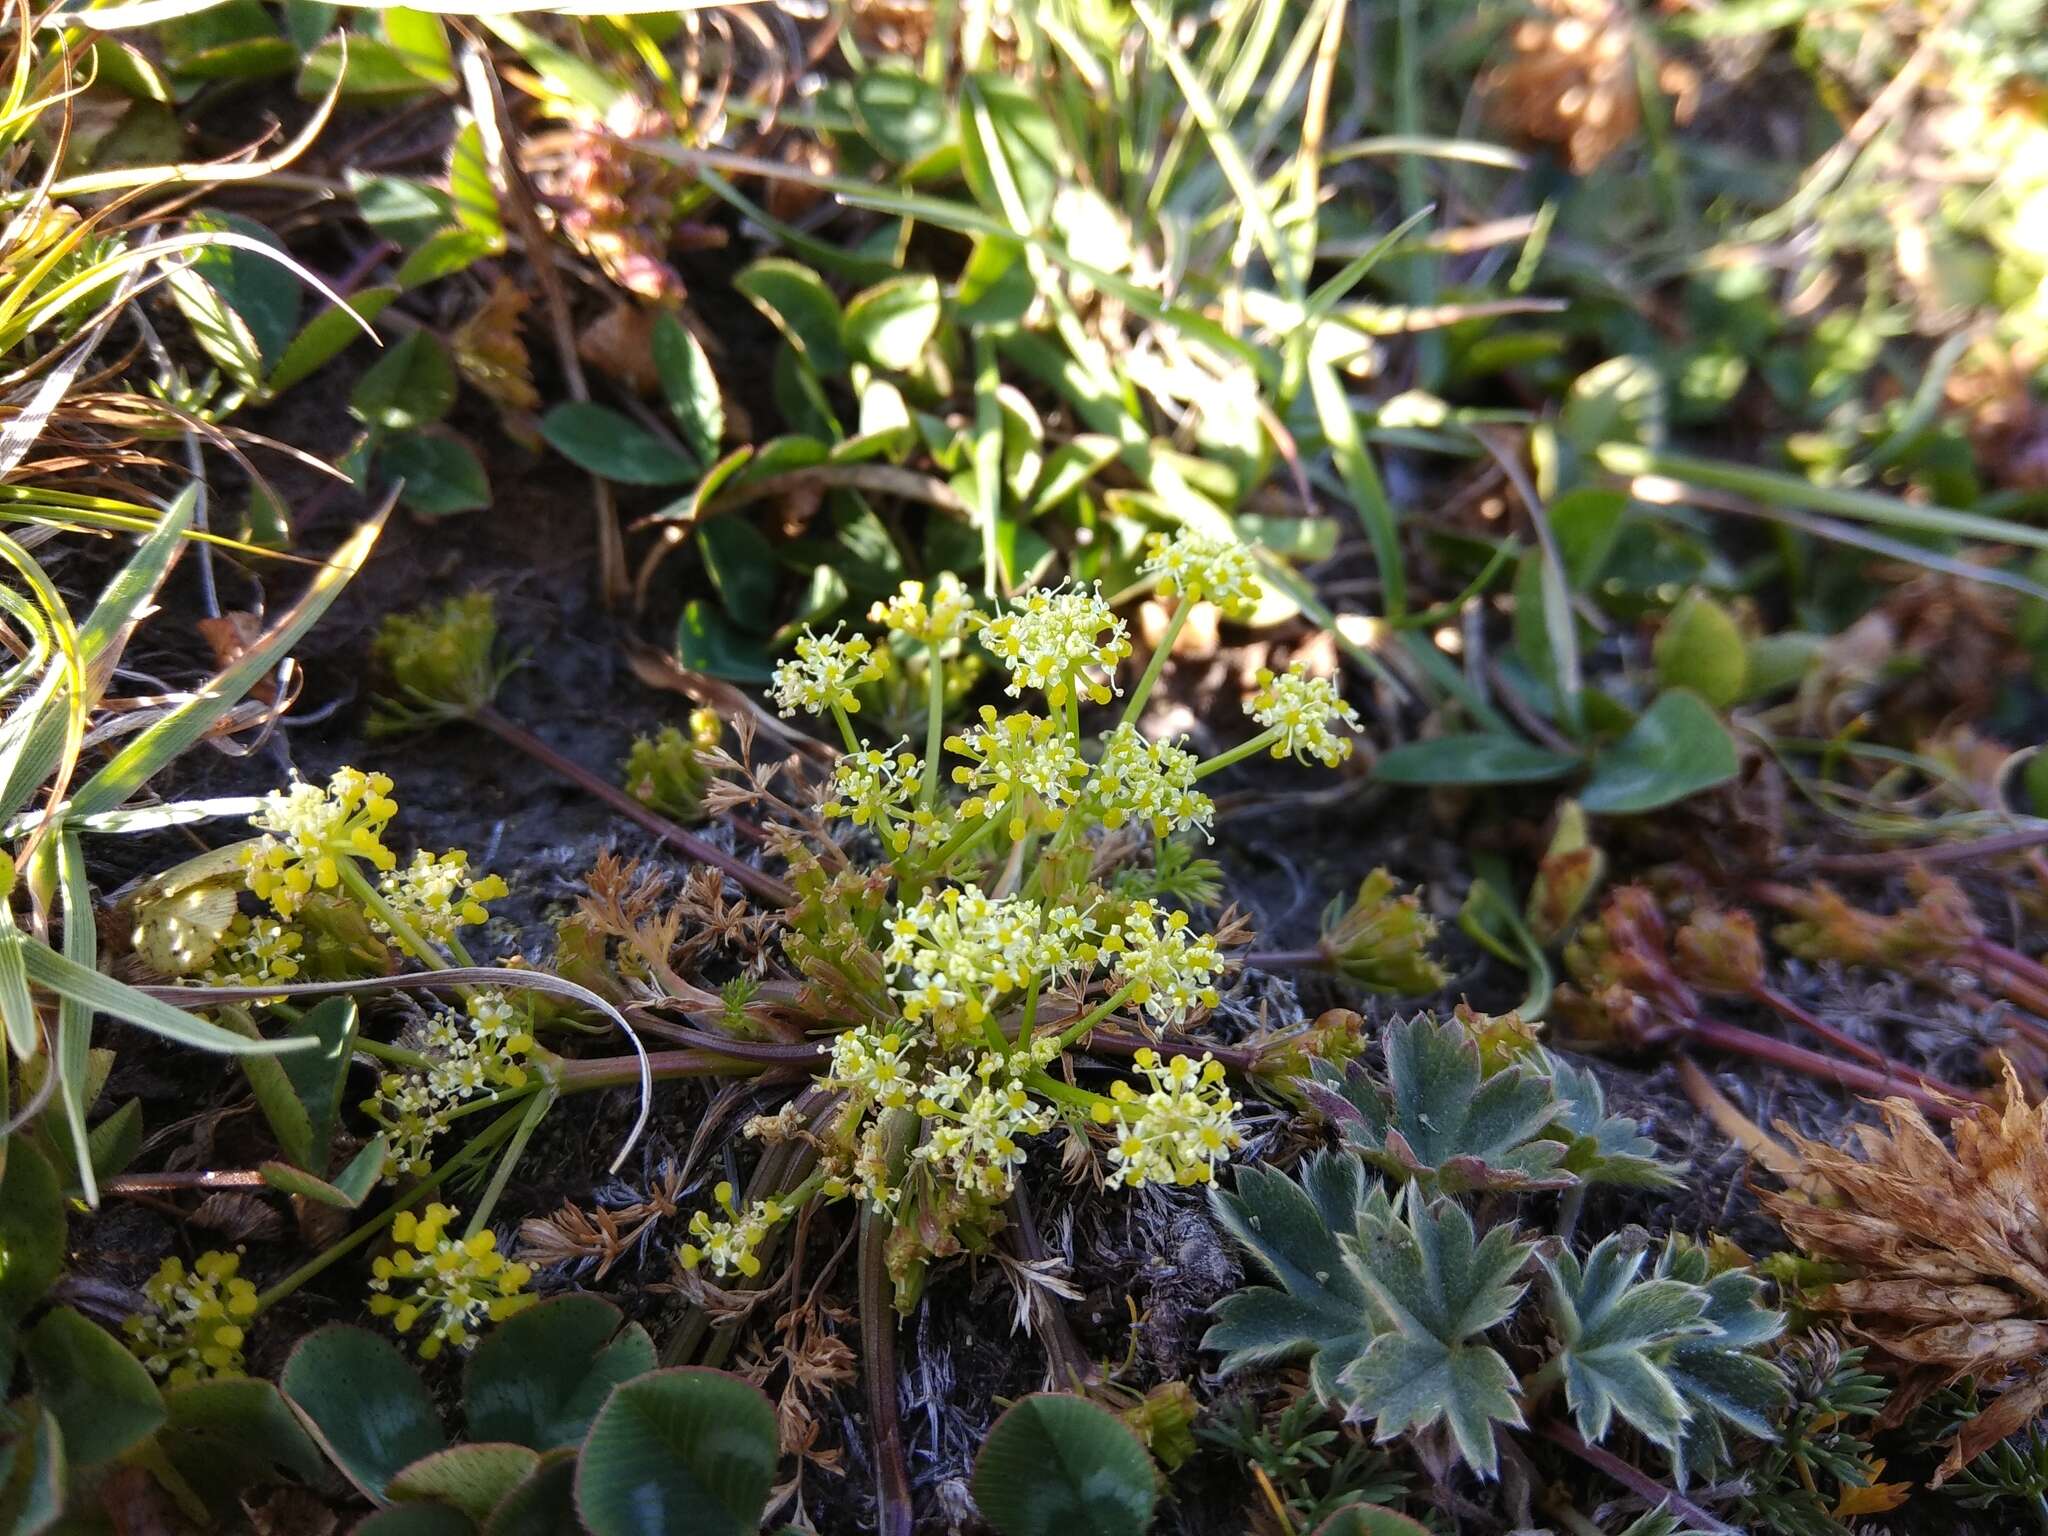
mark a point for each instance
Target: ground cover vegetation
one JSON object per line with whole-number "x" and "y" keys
{"x": 1084, "y": 766}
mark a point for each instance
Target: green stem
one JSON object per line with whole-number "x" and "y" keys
{"x": 1241, "y": 751}
{"x": 536, "y": 1111}
{"x": 398, "y": 1056}
{"x": 935, "y": 724}
{"x": 359, "y": 887}
{"x": 1066, "y": 1093}
{"x": 484, "y": 1141}
{"x": 1157, "y": 664}
{"x": 845, "y": 729}
{"x": 1088, "y": 1021}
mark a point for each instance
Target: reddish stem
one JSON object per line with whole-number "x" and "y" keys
{"x": 595, "y": 1072}
{"x": 157, "y": 1183}
{"x": 750, "y": 879}
{"x": 1791, "y": 1011}
{"x": 895, "y": 1514}
{"x": 1797, "y": 1058}
{"x": 1941, "y": 853}
{"x": 1067, "y": 1363}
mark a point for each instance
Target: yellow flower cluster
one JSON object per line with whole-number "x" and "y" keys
{"x": 1178, "y": 1130}
{"x": 1149, "y": 781}
{"x": 439, "y": 895}
{"x": 825, "y": 671}
{"x": 308, "y": 830}
{"x": 1303, "y": 709}
{"x": 1199, "y": 567}
{"x": 935, "y": 614}
{"x": 1169, "y": 969}
{"x": 454, "y": 1284}
{"x": 253, "y": 952}
{"x": 957, "y": 950}
{"x": 728, "y": 1245}
{"x": 198, "y": 1327}
{"x": 1023, "y": 767}
{"x": 972, "y": 1125}
{"x": 874, "y": 1065}
{"x": 1052, "y": 640}
{"x": 474, "y": 1053}
{"x": 873, "y": 788}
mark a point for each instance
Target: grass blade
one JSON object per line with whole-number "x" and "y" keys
{"x": 101, "y": 993}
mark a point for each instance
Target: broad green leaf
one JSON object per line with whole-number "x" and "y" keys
{"x": 32, "y": 1470}
{"x": 411, "y": 385}
{"x": 442, "y": 474}
{"x": 706, "y": 642}
{"x": 402, "y": 210}
{"x": 689, "y": 386}
{"x": 300, "y": 1093}
{"x": 1678, "y": 748}
{"x": 227, "y": 1436}
{"x": 363, "y": 1404}
{"x": 417, "y": 1520}
{"x": 1442, "y": 1120}
{"x": 1614, "y": 1334}
{"x": 996, "y": 286}
{"x": 31, "y": 1229}
{"x": 1444, "y": 1286}
{"x": 1586, "y": 524}
{"x": 102, "y": 1396}
{"x": 324, "y": 337}
{"x": 1009, "y": 151}
{"x": 471, "y": 1478}
{"x": 1618, "y": 401}
{"x": 539, "y": 1377}
{"x": 443, "y": 254}
{"x": 243, "y": 308}
{"x": 1058, "y": 1465}
{"x": 306, "y": 22}
{"x": 1321, "y": 1310}
{"x": 891, "y": 323}
{"x": 796, "y": 299}
{"x": 470, "y": 189}
{"x": 543, "y": 1503}
{"x": 741, "y": 563}
{"x": 377, "y": 72}
{"x": 686, "y": 1449}
{"x": 599, "y": 439}
{"x": 170, "y": 734}
{"x": 1475, "y": 757}
{"x": 421, "y": 41}
{"x": 901, "y": 113}
{"x": 1069, "y": 467}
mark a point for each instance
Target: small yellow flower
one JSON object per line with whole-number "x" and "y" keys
{"x": 254, "y": 951}
{"x": 1177, "y": 1131}
{"x": 878, "y": 789}
{"x": 932, "y": 614}
{"x": 1024, "y": 769}
{"x": 454, "y": 1284}
{"x": 200, "y": 1321}
{"x": 1149, "y": 782}
{"x": 439, "y": 895}
{"x": 309, "y": 830}
{"x": 1199, "y": 567}
{"x": 825, "y": 671}
{"x": 728, "y": 1245}
{"x": 1053, "y": 640}
{"x": 1169, "y": 969}
{"x": 1304, "y": 708}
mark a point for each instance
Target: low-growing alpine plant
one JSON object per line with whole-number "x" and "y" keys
{"x": 1417, "y": 1313}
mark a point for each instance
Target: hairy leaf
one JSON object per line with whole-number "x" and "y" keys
{"x": 1720, "y": 1377}
{"x": 1320, "y": 1309}
{"x": 1602, "y": 1148}
{"x": 1617, "y": 1334}
{"x": 1443, "y": 1286}
{"x": 1442, "y": 1120}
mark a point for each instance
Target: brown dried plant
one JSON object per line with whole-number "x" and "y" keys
{"x": 1949, "y": 1253}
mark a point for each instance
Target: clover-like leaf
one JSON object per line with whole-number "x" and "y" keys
{"x": 1617, "y": 1334}
{"x": 1442, "y": 1120}
{"x": 1442, "y": 1286}
{"x": 1601, "y": 1148}
{"x": 1721, "y": 1378}
{"x": 1320, "y": 1309}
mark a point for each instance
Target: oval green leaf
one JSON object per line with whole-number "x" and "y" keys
{"x": 599, "y": 439}
{"x": 103, "y": 1398}
{"x": 363, "y": 1403}
{"x": 1678, "y": 748}
{"x": 539, "y": 1377}
{"x": 680, "y": 1450}
{"x": 471, "y": 1478}
{"x": 1059, "y": 1465}
{"x": 1476, "y": 757}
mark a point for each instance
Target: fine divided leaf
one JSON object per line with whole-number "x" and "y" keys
{"x": 1617, "y": 1333}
